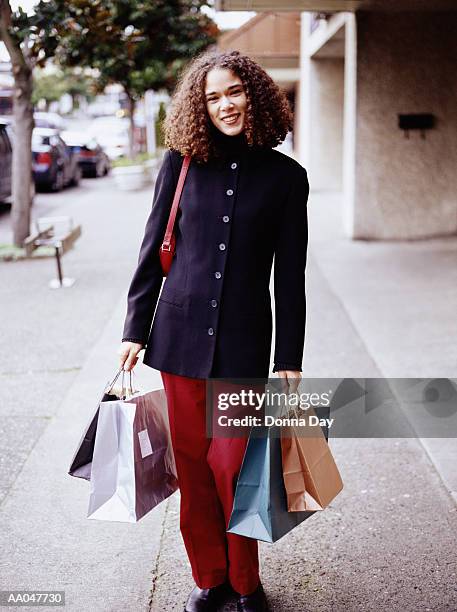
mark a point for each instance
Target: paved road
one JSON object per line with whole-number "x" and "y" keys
{"x": 387, "y": 542}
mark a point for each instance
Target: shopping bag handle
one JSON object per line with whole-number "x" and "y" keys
{"x": 111, "y": 385}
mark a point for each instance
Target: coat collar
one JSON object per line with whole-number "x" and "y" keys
{"x": 230, "y": 148}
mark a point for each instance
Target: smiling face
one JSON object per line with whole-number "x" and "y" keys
{"x": 225, "y": 101}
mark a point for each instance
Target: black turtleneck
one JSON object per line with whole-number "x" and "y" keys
{"x": 228, "y": 145}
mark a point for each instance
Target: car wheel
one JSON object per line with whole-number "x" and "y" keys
{"x": 58, "y": 182}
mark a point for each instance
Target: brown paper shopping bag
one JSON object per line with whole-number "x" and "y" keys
{"x": 311, "y": 477}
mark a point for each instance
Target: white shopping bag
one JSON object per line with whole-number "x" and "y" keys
{"x": 133, "y": 466}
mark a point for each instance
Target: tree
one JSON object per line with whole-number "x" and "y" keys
{"x": 79, "y": 85}
{"x": 48, "y": 87}
{"x": 160, "y": 135}
{"x": 141, "y": 44}
{"x": 22, "y": 66}
{"x": 51, "y": 87}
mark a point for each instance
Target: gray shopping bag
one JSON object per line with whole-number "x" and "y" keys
{"x": 260, "y": 505}
{"x": 133, "y": 466}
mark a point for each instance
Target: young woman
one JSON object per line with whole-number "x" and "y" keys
{"x": 243, "y": 203}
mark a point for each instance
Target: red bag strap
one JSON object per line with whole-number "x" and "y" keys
{"x": 177, "y": 197}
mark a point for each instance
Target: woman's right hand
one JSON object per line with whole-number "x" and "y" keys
{"x": 128, "y": 355}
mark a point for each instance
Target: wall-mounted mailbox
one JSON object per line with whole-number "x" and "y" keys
{"x": 418, "y": 121}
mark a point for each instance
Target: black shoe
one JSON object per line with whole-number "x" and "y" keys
{"x": 207, "y": 600}
{"x": 254, "y": 602}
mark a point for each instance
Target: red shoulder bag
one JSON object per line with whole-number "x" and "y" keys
{"x": 168, "y": 248}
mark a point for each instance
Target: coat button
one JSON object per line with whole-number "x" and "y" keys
{"x": 222, "y": 246}
{"x": 229, "y": 191}
{"x": 225, "y": 218}
{"x": 217, "y": 274}
{"x": 214, "y": 303}
{"x": 210, "y": 331}
{"x": 233, "y": 166}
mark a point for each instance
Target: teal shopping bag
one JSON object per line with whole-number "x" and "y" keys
{"x": 260, "y": 505}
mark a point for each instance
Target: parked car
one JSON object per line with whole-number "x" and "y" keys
{"x": 92, "y": 158}
{"x": 6, "y": 162}
{"x": 6, "y": 100}
{"x": 54, "y": 164}
{"x": 113, "y": 135}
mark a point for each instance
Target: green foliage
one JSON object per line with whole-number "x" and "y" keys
{"x": 10, "y": 252}
{"x": 138, "y": 160}
{"x": 77, "y": 83}
{"x": 139, "y": 44}
{"x": 160, "y": 136}
{"x": 51, "y": 87}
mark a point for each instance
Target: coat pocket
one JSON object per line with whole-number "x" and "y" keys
{"x": 172, "y": 296}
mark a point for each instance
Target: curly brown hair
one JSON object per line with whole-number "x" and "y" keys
{"x": 188, "y": 128}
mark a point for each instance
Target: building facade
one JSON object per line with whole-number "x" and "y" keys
{"x": 376, "y": 111}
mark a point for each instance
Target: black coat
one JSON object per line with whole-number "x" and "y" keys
{"x": 213, "y": 317}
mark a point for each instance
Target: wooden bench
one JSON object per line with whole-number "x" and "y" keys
{"x": 59, "y": 233}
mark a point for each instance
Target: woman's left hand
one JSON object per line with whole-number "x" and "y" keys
{"x": 291, "y": 380}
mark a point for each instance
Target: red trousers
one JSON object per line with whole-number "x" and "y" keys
{"x": 207, "y": 470}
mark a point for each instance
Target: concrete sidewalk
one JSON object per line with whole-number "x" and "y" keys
{"x": 61, "y": 352}
{"x": 387, "y": 542}
{"x": 401, "y": 299}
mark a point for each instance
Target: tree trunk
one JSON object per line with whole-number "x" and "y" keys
{"x": 23, "y": 125}
{"x": 22, "y": 156}
{"x": 132, "y": 126}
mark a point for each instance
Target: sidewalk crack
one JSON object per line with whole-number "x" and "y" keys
{"x": 155, "y": 571}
